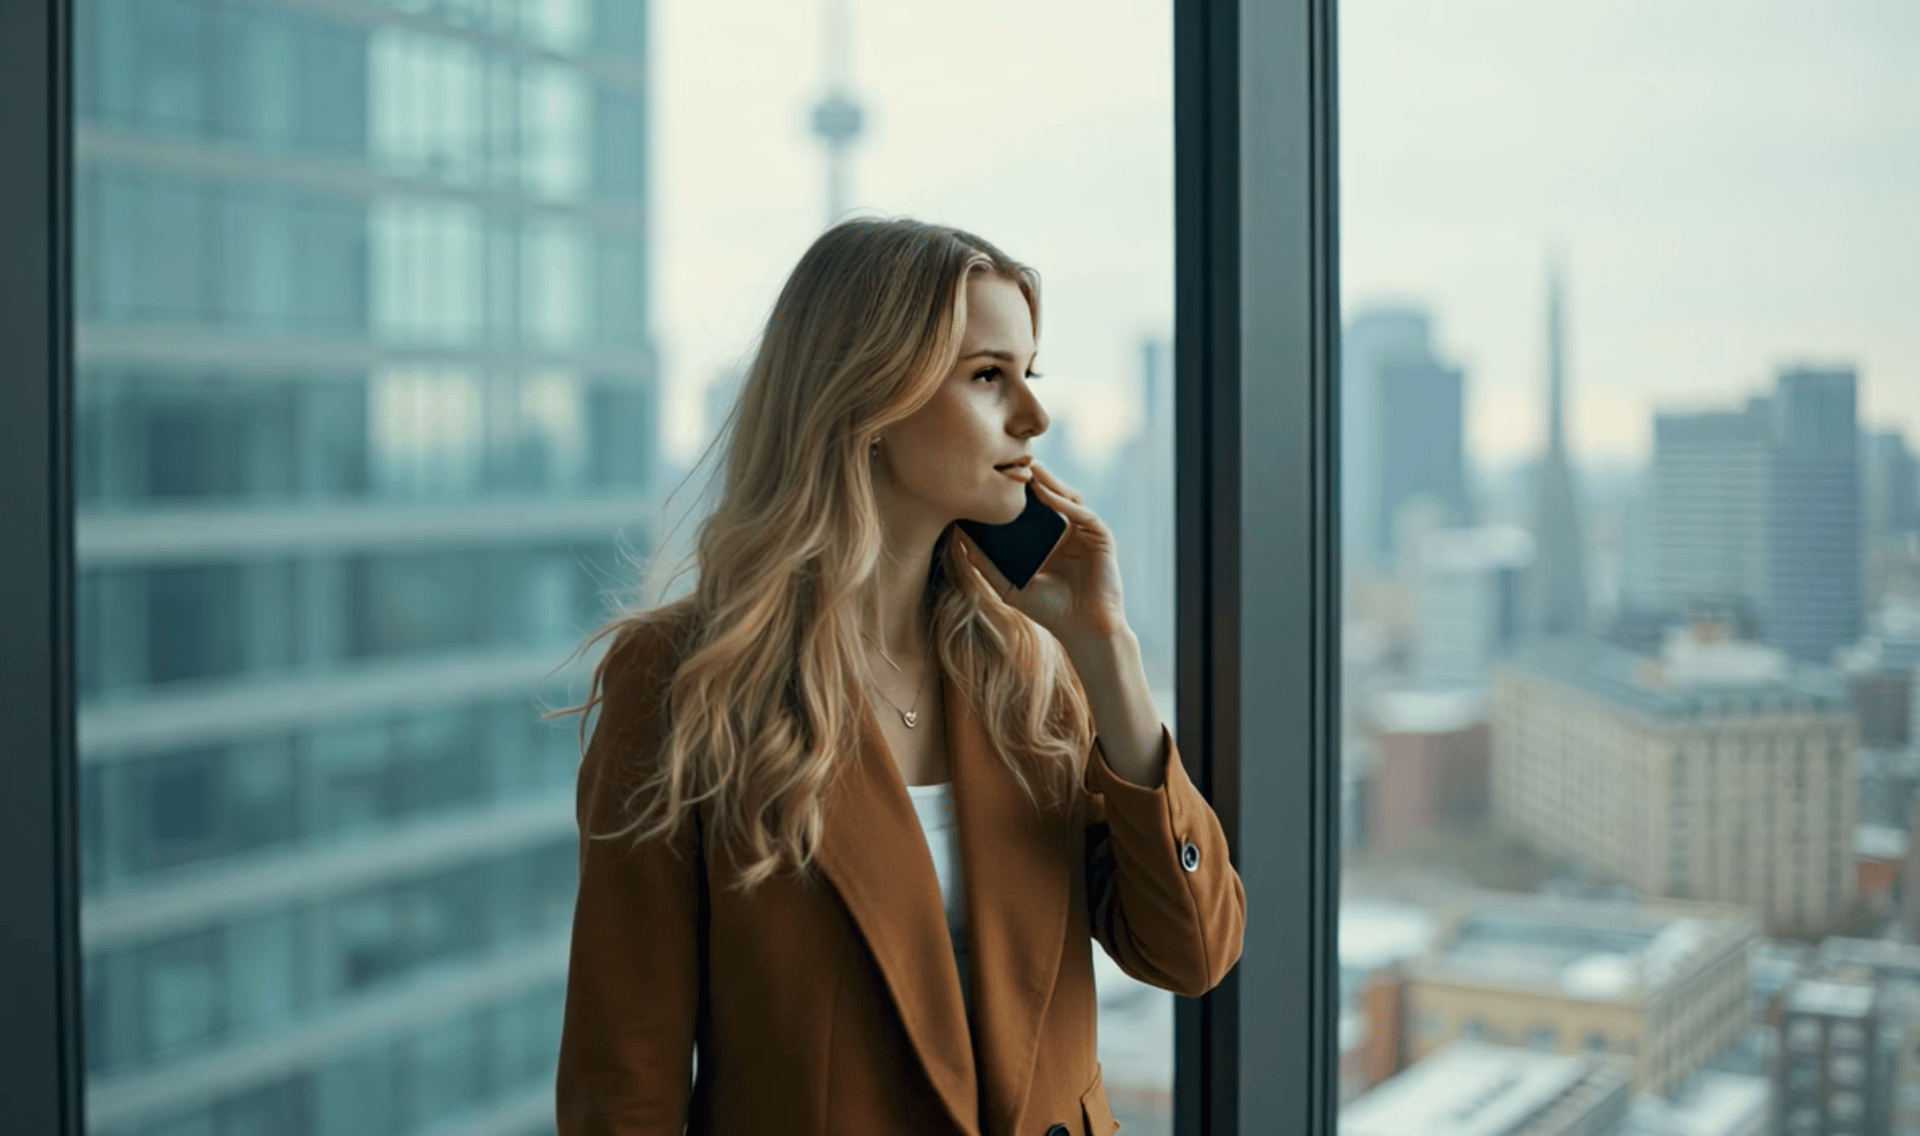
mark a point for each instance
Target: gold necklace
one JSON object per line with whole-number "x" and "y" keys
{"x": 910, "y": 716}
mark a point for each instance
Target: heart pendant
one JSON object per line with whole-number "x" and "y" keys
{"x": 909, "y": 717}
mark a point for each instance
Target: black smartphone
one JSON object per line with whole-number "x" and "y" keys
{"x": 1021, "y": 546}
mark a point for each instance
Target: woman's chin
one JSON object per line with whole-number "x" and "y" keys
{"x": 1000, "y": 512}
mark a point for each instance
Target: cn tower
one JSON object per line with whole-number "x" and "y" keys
{"x": 836, "y": 117}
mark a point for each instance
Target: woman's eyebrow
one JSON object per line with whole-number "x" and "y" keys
{"x": 1003, "y": 356}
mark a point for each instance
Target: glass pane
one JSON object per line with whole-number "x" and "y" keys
{"x": 398, "y": 324}
{"x": 1632, "y": 559}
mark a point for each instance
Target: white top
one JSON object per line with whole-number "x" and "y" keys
{"x": 934, "y": 804}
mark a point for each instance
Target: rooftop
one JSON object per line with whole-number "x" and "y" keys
{"x": 1429, "y": 711}
{"x": 1468, "y": 1088}
{"x": 1692, "y": 688}
{"x": 1709, "y": 1103}
{"x": 1887, "y": 959}
{"x": 1879, "y": 842}
{"x": 1591, "y": 949}
{"x": 1831, "y": 999}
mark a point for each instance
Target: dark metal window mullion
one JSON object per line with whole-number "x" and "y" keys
{"x": 42, "y": 1065}
{"x": 1257, "y": 576}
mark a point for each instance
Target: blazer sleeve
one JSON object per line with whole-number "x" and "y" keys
{"x": 634, "y": 974}
{"x": 1164, "y": 898}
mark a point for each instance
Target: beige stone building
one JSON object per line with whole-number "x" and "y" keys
{"x": 1660, "y": 987}
{"x": 1712, "y": 771}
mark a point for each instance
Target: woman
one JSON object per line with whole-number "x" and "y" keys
{"x": 854, "y": 810}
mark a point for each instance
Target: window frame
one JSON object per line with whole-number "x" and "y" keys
{"x": 1257, "y": 568}
{"x": 1257, "y": 576}
{"x": 41, "y": 1042}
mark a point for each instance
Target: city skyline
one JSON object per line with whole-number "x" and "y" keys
{"x": 1675, "y": 304}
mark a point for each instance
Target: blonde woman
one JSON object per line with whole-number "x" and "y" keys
{"x": 854, "y": 811}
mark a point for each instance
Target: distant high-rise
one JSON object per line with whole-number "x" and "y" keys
{"x": 1469, "y": 589}
{"x": 1815, "y": 578}
{"x": 1892, "y": 485}
{"x": 1138, "y": 504}
{"x": 1403, "y": 430}
{"x": 1557, "y": 587}
{"x": 1707, "y": 510}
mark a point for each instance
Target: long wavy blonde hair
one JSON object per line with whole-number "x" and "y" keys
{"x": 765, "y": 705}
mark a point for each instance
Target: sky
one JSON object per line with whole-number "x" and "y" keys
{"x": 1730, "y": 187}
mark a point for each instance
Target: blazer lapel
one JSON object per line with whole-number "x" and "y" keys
{"x": 1017, "y": 869}
{"x": 875, "y": 854}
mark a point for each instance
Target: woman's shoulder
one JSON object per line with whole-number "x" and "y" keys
{"x": 651, "y": 643}
{"x": 634, "y": 675}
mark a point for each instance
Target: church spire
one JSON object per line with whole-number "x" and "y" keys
{"x": 1557, "y": 585}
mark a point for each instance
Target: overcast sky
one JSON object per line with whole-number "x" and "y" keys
{"x": 1733, "y": 185}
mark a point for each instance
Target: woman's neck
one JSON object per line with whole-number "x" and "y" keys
{"x": 897, "y": 614}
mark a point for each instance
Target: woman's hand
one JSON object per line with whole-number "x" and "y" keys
{"x": 1076, "y": 593}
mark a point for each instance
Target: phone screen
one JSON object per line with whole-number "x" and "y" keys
{"x": 1021, "y": 546}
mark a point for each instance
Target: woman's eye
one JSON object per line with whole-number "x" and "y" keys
{"x": 995, "y": 372}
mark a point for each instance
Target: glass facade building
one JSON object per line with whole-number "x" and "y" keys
{"x": 364, "y": 383}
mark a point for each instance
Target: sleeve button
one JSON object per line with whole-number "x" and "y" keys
{"x": 1189, "y": 856}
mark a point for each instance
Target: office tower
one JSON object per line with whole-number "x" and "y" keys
{"x": 364, "y": 394}
{"x": 1815, "y": 579}
{"x": 1828, "y": 1032}
{"x": 1880, "y": 670}
{"x": 1636, "y": 551}
{"x": 1892, "y": 485}
{"x": 1712, "y": 771}
{"x": 1707, "y": 504}
{"x": 1848, "y": 1061}
{"x": 1137, "y": 501}
{"x": 1661, "y": 987}
{"x": 1403, "y": 430}
{"x": 1470, "y": 589}
{"x": 1557, "y": 584}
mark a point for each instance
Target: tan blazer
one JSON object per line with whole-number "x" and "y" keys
{"x": 837, "y": 1009}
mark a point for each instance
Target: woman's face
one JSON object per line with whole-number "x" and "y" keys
{"x": 940, "y": 462}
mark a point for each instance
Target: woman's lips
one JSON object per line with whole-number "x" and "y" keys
{"x": 1017, "y": 472}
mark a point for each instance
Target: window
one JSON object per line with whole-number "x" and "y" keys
{"x": 1847, "y": 1068}
{"x": 1546, "y": 551}
{"x": 1804, "y": 1034}
{"x": 294, "y": 96}
{"x": 1845, "y": 1106}
{"x": 395, "y": 329}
